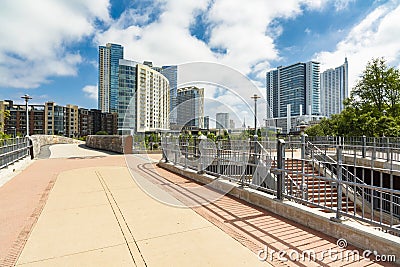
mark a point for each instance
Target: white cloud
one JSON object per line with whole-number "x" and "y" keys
{"x": 342, "y": 4}
{"x": 35, "y": 34}
{"x": 242, "y": 30}
{"x": 90, "y": 91}
{"x": 245, "y": 32}
{"x": 375, "y": 36}
{"x": 36, "y": 37}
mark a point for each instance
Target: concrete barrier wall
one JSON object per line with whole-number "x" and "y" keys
{"x": 40, "y": 140}
{"x": 361, "y": 236}
{"x": 115, "y": 143}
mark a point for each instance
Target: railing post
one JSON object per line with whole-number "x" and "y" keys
{"x": 219, "y": 157}
{"x": 244, "y": 168}
{"x": 186, "y": 152}
{"x": 176, "y": 151}
{"x": 339, "y": 181}
{"x": 280, "y": 165}
{"x": 200, "y": 167}
{"x": 303, "y": 158}
{"x": 255, "y": 139}
{"x": 373, "y": 156}
{"x": 387, "y": 149}
{"x": 164, "y": 148}
{"x": 364, "y": 146}
{"x": 30, "y": 144}
{"x": 303, "y": 146}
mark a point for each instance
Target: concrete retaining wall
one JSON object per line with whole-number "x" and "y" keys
{"x": 40, "y": 140}
{"x": 115, "y": 143}
{"x": 356, "y": 234}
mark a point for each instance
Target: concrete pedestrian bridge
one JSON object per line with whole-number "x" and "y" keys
{"x": 76, "y": 206}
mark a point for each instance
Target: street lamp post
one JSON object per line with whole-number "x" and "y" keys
{"x": 27, "y": 97}
{"x": 255, "y": 97}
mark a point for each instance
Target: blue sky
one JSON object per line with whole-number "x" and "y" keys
{"x": 49, "y": 48}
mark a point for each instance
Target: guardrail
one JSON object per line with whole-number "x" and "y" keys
{"x": 297, "y": 170}
{"x": 384, "y": 148}
{"x": 13, "y": 149}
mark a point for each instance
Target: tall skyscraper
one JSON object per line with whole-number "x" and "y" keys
{"x": 152, "y": 100}
{"x": 312, "y": 88}
{"x": 207, "y": 122}
{"x": 231, "y": 124}
{"x": 109, "y": 56}
{"x": 171, "y": 73}
{"x": 291, "y": 89}
{"x": 222, "y": 120}
{"x": 126, "y": 96}
{"x": 334, "y": 89}
{"x": 295, "y": 86}
{"x": 190, "y": 107}
{"x": 272, "y": 93}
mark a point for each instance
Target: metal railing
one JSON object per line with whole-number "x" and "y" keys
{"x": 384, "y": 148}
{"x": 13, "y": 149}
{"x": 295, "y": 169}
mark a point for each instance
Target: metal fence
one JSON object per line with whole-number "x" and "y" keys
{"x": 296, "y": 169}
{"x": 13, "y": 149}
{"x": 384, "y": 148}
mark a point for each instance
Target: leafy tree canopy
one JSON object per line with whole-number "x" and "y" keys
{"x": 373, "y": 108}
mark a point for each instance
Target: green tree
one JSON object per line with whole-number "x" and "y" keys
{"x": 211, "y": 136}
{"x": 101, "y": 133}
{"x": 373, "y": 107}
{"x": 4, "y": 114}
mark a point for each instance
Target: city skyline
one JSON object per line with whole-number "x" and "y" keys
{"x": 58, "y": 61}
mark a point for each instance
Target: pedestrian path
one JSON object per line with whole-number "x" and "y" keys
{"x": 99, "y": 217}
{"x": 87, "y": 210}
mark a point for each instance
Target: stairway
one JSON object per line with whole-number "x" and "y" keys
{"x": 319, "y": 192}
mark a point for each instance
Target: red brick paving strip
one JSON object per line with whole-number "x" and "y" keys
{"x": 23, "y": 198}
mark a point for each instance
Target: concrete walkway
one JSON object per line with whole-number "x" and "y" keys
{"x": 99, "y": 217}
{"x": 75, "y": 151}
{"x": 95, "y": 215}
{"x": 88, "y": 211}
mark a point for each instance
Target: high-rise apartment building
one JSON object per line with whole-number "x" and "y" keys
{"x": 127, "y": 96}
{"x": 109, "y": 56}
{"x": 334, "y": 89}
{"x": 222, "y": 120}
{"x": 190, "y": 107}
{"x": 152, "y": 100}
{"x": 293, "y": 88}
{"x": 171, "y": 73}
{"x": 231, "y": 124}
{"x": 272, "y": 94}
{"x": 312, "y": 88}
{"x": 207, "y": 122}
